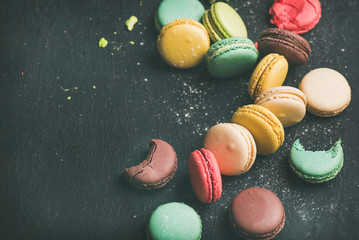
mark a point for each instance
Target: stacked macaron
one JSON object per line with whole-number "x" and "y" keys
{"x": 184, "y": 42}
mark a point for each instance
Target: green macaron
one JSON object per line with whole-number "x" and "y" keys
{"x": 231, "y": 57}
{"x": 317, "y": 166}
{"x": 170, "y": 10}
{"x": 222, "y": 21}
{"x": 174, "y": 221}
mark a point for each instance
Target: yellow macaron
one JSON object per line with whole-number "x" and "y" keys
{"x": 265, "y": 127}
{"x": 183, "y": 43}
{"x": 270, "y": 72}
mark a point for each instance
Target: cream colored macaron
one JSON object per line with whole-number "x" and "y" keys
{"x": 233, "y": 146}
{"x": 287, "y": 103}
{"x": 328, "y": 92}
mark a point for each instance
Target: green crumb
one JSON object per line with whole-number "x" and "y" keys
{"x": 130, "y": 23}
{"x": 140, "y": 3}
{"x": 115, "y": 33}
{"x": 94, "y": 87}
{"x": 132, "y": 42}
{"x": 69, "y": 98}
{"x": 102, "y": 43}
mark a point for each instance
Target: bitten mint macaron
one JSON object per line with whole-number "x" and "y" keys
{"x": 222, "y": 21}
{"x": 317, "y": 166}
{"x": 174, "y": 221}
{"x": 231, "y": 57}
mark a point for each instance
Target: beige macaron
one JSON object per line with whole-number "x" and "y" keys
{"x": 328, "y": 92}
{"x": 233, "y": 146}
{"x": 287, "y": 103}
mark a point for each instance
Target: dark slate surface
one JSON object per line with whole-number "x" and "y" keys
{"x": 61, "y": 159}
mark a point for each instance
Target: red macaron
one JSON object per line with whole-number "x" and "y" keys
{"x": 205, "y": 176}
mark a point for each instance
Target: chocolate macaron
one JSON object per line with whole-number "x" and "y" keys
{"x": 156, "y": 170}
{"x": 292, "y": 46}
{"x": 257, "y": 213}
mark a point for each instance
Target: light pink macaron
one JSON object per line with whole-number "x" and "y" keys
{"x": 233, "y": 146}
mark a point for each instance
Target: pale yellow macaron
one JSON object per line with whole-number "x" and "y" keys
{"x": 183, "y": 43}
{"x": 270, "y": 72}
{"x": 327, "y": 91}
{"x": 233, "y": 146}
{"x": 287, "y": 103}
{"x": 265, "y": 127}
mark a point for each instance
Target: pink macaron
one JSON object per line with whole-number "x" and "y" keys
{"x": 205, "y": 176}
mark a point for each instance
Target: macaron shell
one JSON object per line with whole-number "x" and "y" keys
{"x": 296, "y": 16}
{"x": 257, "y": 213}
{"x": 232, "y": 146}
{"x": 264, "y": 126}
{"x": 183, "y": 43}
{"x": 229, "y": 23}
{"x": 170, "y": 10}
{"x": 205, "y": 176}
{"x": 327, "y": 91}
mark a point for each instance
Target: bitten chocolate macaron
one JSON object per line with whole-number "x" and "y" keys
{"x": 156, "y": 170}
{"x": 292, "y": 46}
{"x": 257, "y": 213}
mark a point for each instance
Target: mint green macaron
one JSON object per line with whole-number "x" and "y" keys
{"x": 170, "y": 10}
{"x": 174, "y": 221}
{"x": 231, "y": 57}
{"x": 222, "y": 21}
{"x": 317, "y": 166}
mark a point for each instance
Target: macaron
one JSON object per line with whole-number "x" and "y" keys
{"x": 270, "y": 72}
{"x": 205, "y": 175}
{"x": 222, "y": 21}
{"x": 317, "y": 166}
{"x": 174, "y": 221}
{"x": 296, "y": 16}
{"x": 233, "y": 146}
{"x": 170, "y": 10}
{"x": 257, "y": 213}
{"x": 287, "y": 103}
{"x": 265, "y": 127}
{"x": 327, "y": 91}
{"x": 156, "y": 170}
{"x": 183, "y": 43}
{"x": 231, "y": 57}
{"x": 292, "y": 46}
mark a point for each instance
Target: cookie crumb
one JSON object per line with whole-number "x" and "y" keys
{"x": 102, "y": 43}
{"x": 130, "y": 23}
{"x": 69, "y": 98}
{"x": 132, "y": 42}
{"x": 94, "y": 87}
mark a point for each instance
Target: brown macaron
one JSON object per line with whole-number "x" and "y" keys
{"x": 292, "y": 46}
{"x": 257, "y": 213}
{"x": 156, "y": 170}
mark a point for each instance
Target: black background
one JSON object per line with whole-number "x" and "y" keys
{"x": 61, "y": 159}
